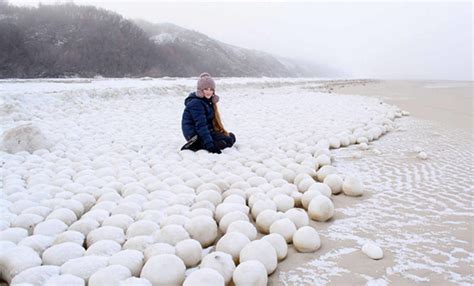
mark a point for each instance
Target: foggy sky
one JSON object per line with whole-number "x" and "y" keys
{"x": 424, "y": 40}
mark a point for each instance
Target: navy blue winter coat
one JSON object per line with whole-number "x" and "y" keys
{"x": 197, "y": 119}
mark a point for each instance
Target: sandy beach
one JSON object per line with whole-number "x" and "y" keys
{"x": 110, "y": 147}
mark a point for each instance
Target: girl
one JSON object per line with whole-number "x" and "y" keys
{"x": 201, "y": 124}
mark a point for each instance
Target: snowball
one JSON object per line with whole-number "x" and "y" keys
{"x": 16, "y": 259}
{"x": 211, "y": 196}
{"x": 261, "y": 205}
{"x": 157, "y": 249}
{"x": 221, "y": 262}
{"x": 236, "y": 199}
{"x": 140, "y": 242}
{"x": 323, "y": 188}
{"x": 103, "y": 248}
{"x": 262, "y": 251}
{"x": 171, "y": 270}
{"x": 132, "y": 259}
{"x": 251, "y": 272}
{"x": 106, "y": 233}
{"x": 422, "y": 156}
{"x": 70, "y": 236}
{"x": 324, "y": 171}
{"x": 175, "y": 219}
{"x": 308, "y": 196}
{"x": 134, "y": 281}
{"x": 226, "y": 208}
{"x": 321, "y": 208}
{"x": 37, "y": 242}
{"x": 172, "y": 234}
{"x": 306, "y": 239}
{"x": 189, "y": 250}
{"x": 243, "y": 227}
{"x": 205, "y": 276}
{"x": 13, "y": 234}
{"x": 297, "y": 198}
{"x": 36, "y": 275}
{"x": 84, "y": 226}
{"x": 65, "y": 279}
{"x": 26, "y": 137}
{"x": 203, "y": 229}
{"x": 334, "y": 181}
{"x": 50, "y": 227}
{"x": 85, "y": 266}
{"x": 265, "y": 219}
{"x": 298, "y": 216}
{"x": 60, "y": 253}
{"x": 26, "y": 221}
{"x": 230, "y": 218}
{"x": 305, "y": 184}
{"x": 279, "y": 243}
{"x": 110, "y": 275}
{"x": 141, "y": 227}
{"x": 323, "y": 160}
{"x": 283, "y": 202}
{"x": 285, "y": 228}
{"x": 119, "y": 220}
{"x": 232, "y": 243}
{"x": 352, "y": 187}
{"x": 372, "y": 250}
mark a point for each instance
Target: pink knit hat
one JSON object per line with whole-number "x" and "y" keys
{"x": 205, "y": 81}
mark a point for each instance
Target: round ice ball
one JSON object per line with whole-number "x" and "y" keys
{"x": 321, "y": 208}
{"x": 103, "y": 247}
{"x": 283, "y": 202}
{"x": 204, "y": 276}
{"x": 171, "y": 270}
{"x": 279, "y": 243}
{"x": 157, "y": 249}
{"x": 298, "y": 216}
{"x": 134, "y": 281}
{"x": 230, "y": 218}
{"x": 60, "y": 253}
{"x": 422, "y": 156}
{"x": 141, "y": 227}
{"x": 203, "y": 229}
{"x": 244, "y": 227}
{"x": 232, "y": 243}
{"x": 13, "y": 234}
{"x": 372, "y": 250}
{"x": 352, "y": 187}
{"x": 265, "y": 219}
{"x": 261, "y": 205}
{"x": 306, "y": 239}
{"x": 50, "y": 227}
{"x": 251, "y": 272}
{"x": 64, "y": 279}
{"x": 189, "y": 250}
{"x": 324, "y": 171}
{"x": 110, "y": 275}
{"x": 85, "y": 266}
{"x": 334, "y": 181}
{"x": 308, "y": 196}
{"x": 130, "y": 258}
{"x": 285, "y": 228}
{"x": 262, "y": 251}
{"x": 36, "y": 275}
{"x": 106, "y": 233}
{"x": 172, "y": 234}
{"x": 221, "y": 262}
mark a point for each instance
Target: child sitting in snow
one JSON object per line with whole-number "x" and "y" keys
{"x": 201, "y": 124}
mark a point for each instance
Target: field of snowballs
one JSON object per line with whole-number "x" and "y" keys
{"x": 95, "y": 191}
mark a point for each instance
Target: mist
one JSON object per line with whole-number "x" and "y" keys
{"x": 363, "y": 40}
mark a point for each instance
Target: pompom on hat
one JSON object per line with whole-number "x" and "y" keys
{"x": 205, "y": 81}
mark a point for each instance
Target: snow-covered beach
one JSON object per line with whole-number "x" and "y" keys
{"x": 117, "y": 141}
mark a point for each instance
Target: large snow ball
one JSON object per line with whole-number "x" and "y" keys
{"x": 134, "y": 281}
{"x": 221, "y": 262}
{"x": 243, "y": 227}
{"x": 130, "y": 209}
{"x": 321, "y": 208}
{"x": 308, "y": 196}
{"x": 199, "y": 211}
{"x": 119, "y": 220}
{"x": 38, "y": 210}
{"x": 323, "y": 160}
{"x": 84, "y": 225}
{"x": 142, "y": 227}
{"x": 265, "y": 219}
{"x": 26, "y": 221}
{"x": 97, "y": 215}
{"x": 65, "y": 279}
{"x": 110, "y": 275}
{"x": 36, "y": 275}
{"x": 225, "y": 208}
{"x": 279, "y": 243}
{"x": 252, "y": 272}
{"x": 140, "y": 242}
{"x": 211, "y": 196}
{"x": 164, "y": 269}
{"x": 262, "y": 251}
{"x": 38, "y": 242}
{"x": 190, "y": 251}
{"x": 352, "y": 187}
{"x": 262, "y": 205}
{"x": 106, "y": 233}
{"x": 204, "y": 276}
{"x": 334, "y": 181}
{"x": 230, "y": 218}
{"x": 298, "y": 216}
{"x": 60, "y": 253}
{"x": 85, "y": 266}
{"x": 232, "y": 243}
{"x": 323, "y": 188}
{"x": 74, "y": 206}
{"x": 13, "y": 234}
{"x": 50, "y": 227}
{"x": 300, "y": 177}
{"x": 103, "y": 248}
{"x": 70, "y": 236}
{"x": 16, "y": 259}
{"x": 157, "y": 249}
{"x": 26, "y": 137}
{"x": 285, "y": 228}
{"x": 175, "y": 219}
{"x": 284, "y": 202}
{"x": 132, "y": 259}
{"x": 372, "y": 250}
{"x": 324, "y": 171}
{"x": 208, "y": 186}
{"x": 306, "y": 239}
{"x": 297, "y": 198}
{"x": 203, "y": 229}
{"x": 172, "y": 234}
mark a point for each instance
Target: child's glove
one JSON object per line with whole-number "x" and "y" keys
{"x": 213, "y": 149}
